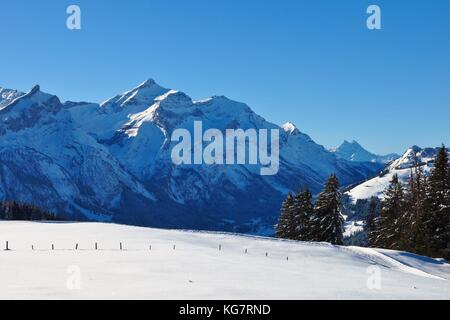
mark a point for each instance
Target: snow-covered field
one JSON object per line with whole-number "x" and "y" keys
{"x": 197, "y": 269}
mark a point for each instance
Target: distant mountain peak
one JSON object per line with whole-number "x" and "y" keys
{"x": 353, "y": 151}
{"x": 351, "y": 142}
{"x": 35, "y": 89}
{"x": 147, "y": 83}
{"x": 290, "y": 128}
{"x": 141, "y": 96}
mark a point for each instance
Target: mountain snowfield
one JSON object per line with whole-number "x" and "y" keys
{"x": 403, "y": 167}
{"x": 196, "y": 269}
{"x": 112, "y": 161}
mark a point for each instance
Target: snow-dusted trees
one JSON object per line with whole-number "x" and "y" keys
{"x": 294, "y": 221}
{"x": 415, "y": 212}
{"x": 304, "y": 211}
{"x": 416, "y": 219}
{"x": 438, "y": 222}
{"x": 285, "y": 227}
{"x": 300, "y": 220}
{"x": 328, "y": 221}
{"x": 392, "y": 209}
{"x": 372, "y": 222}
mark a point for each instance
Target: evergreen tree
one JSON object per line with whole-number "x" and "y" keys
{"x": 285, "y": 228}
{"x": 372, "y": 223}
{"x": 328, "y": 221}
{"x": 438, "y": 199}
{"x": 416, "y": 212}
{"x": 391, "y": 216}
{"x": 304, "y": 211}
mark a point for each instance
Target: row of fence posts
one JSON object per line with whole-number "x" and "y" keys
{"x": 7, "y": 248}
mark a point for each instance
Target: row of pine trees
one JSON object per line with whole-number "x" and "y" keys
{"x": 301, "y": 220}
{"x": 12, "y": 210}
{"x": 414, "y": 219}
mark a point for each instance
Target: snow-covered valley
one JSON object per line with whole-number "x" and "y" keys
{"x": 196, "y": 269}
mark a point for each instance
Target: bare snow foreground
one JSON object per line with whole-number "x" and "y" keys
{"x": 197, "y": 269}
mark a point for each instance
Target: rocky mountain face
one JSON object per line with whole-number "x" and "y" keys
{"x": 112, "y": 161}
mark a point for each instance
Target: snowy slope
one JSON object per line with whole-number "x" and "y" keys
{"x": 112, "y": 161}
{"x": 353, "y": 151}
{"x": 196, "y": 269}
{"x": 402, "y": 167}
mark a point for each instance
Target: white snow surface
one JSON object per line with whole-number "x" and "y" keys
{"x": 196, "y": 269}
{"x": 353, "y": 227}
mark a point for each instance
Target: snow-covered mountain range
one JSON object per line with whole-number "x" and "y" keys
{"x": 111, "y": 161}
{"x": 402, "y": 167}
{"x": 353, "y": 151}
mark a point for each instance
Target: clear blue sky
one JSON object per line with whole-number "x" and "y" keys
{"x": 310, "y": 62}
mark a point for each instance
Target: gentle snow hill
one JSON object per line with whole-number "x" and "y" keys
{"x": 196, "y": 269}
{"x": 402, "y": 167}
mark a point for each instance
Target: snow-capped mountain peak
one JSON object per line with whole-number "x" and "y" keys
{"x": 174, "y": 99}
{"x": 29, "y": 110}
{"x": 35, "y": 95}
{"x": 148, "y": 83}
{"x": 141, "y": 97}
{"x": 290, "y": 128}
